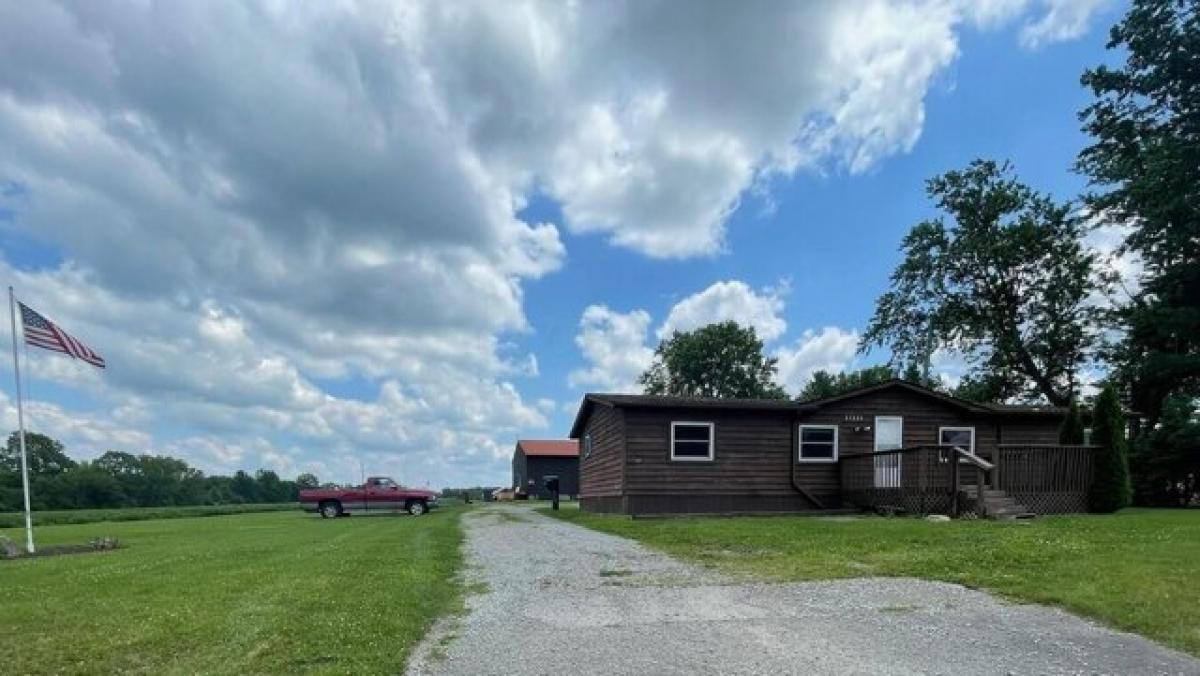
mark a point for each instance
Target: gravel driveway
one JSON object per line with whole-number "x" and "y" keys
{"x": 562, "y": 599}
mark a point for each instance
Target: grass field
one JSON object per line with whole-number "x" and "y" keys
{"x": 48, "y": 518}
{"x": 277, "y": 592}
{"x": 1137, "y": 571}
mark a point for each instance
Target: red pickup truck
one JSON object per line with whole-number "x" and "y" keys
{"x": 379, "y": 495}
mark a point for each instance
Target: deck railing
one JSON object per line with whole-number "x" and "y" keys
{"x": 950, "y": 480}
{"x": 1046, "y": 479}
{"x": 915, "y": 480}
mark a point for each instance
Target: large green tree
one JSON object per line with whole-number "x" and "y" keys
{"x": 1145, "y": 169}
{"x": 1001, "y": 277}
{"x": 307, "y": 480}
{"x": 722, "y": 360}
{"x": 44, "y": 455}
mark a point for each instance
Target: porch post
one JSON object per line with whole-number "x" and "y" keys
{"x": 953, "y": 484}
{"x": 979, "y": 503}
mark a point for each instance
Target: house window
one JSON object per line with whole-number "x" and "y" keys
{"x": 691, "y": 441}
{"x": 962, "y": 437}
{"x": 818, "y": 443}
{"x": 587, "y": 445}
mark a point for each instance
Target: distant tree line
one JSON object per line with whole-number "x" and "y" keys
{"x": 1002, "y": 277}
{"x": 118, "y": 479}
{"x": 472, "y": 494}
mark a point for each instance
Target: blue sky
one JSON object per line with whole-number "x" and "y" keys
{"x": 835, "y": 237}
{"x": 408, "y": 235}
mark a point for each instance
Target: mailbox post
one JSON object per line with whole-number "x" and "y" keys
{"x": 551, "y": 483}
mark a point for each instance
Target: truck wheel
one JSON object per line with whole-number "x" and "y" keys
{"x": 417, "y": 507}
{"x": 331, "y": 509}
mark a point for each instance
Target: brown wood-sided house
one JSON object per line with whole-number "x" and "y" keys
{"x": 893, "y": 445}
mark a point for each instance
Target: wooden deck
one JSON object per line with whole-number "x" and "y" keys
{"x": 1019, "y": 480}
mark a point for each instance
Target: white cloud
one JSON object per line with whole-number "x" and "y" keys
{"x": 948, "y": 366}
{"x": 1063, "y": 20}
{"x": 830, "y": 349}
{"x": 730, "y": 300}
{"x": 251, "y": 198}
{"x": 85, "y": 435}
{"x": 1105, "y": 238}
{"x": 1043, "y": 22}
{"x": 614, "y": 344}
{"x": 195, "y": 368}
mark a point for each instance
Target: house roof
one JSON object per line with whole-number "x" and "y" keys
{"x": 813, "y": 404}
{"x": 1028, "y": 409}
{"x": 975, "y": 407}
{"x": 562, "y": 448}
{"x": 663, "y": 401}
{"x": 591, "y": 400}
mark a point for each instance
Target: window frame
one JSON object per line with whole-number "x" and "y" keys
{"x": 800, "y": 443}
{"x": 712, "y": 441}
{"x": 958, "y": 428}
{"x": 587, "y": 446}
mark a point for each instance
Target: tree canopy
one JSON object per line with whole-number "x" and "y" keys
{"x": 1144, "y": 165}
{"x": 825, "y": 384}
{"x": 1002, "y": 278}
{"x": 45, "y": 456}
{"x": 119, "y": 479}
{"x": 722, "y": 360}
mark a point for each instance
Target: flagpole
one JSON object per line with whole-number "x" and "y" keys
{"x": 12, "y": 315}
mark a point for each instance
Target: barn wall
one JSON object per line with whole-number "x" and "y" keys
{"x": 565, "y": 468}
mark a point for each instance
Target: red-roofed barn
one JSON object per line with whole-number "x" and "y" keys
{"x": 535, "y": 459}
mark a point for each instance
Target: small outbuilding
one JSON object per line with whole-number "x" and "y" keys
{"x": 536, "y": 459}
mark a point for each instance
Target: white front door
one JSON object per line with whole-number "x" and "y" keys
{"x": 889, "y": 435}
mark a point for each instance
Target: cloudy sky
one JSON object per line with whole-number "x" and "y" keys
{"x": 407, "y": 233}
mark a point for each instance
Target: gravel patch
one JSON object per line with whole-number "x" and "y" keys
{"x": 564, "y": 599}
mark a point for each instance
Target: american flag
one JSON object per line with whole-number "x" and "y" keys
{"x": 43, "y": 333}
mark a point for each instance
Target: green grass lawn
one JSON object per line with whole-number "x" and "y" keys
{"x": 277, "y": 592}
{"x": 1138, "y": 570}
{"x": 52, "y": 517}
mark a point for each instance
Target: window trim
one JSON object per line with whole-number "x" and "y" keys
{"x": 712, "y": 441}
{"x": 587, "y": 446}
{"x": 958, "y": 428}
{"x": 800, "y": 444}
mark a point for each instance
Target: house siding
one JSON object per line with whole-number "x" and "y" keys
{"x": 750, "y": 470}
{"x": 922, "y": 416}
{"x": 1031, "y": 431}
{"x": 755, "y": 468}
{"x": 602, "y": 472}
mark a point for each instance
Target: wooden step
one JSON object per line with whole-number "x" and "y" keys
{"x": 973, "y": 491}
{"x": 1018, "y": 516}
{"x": 997, "y": 504}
